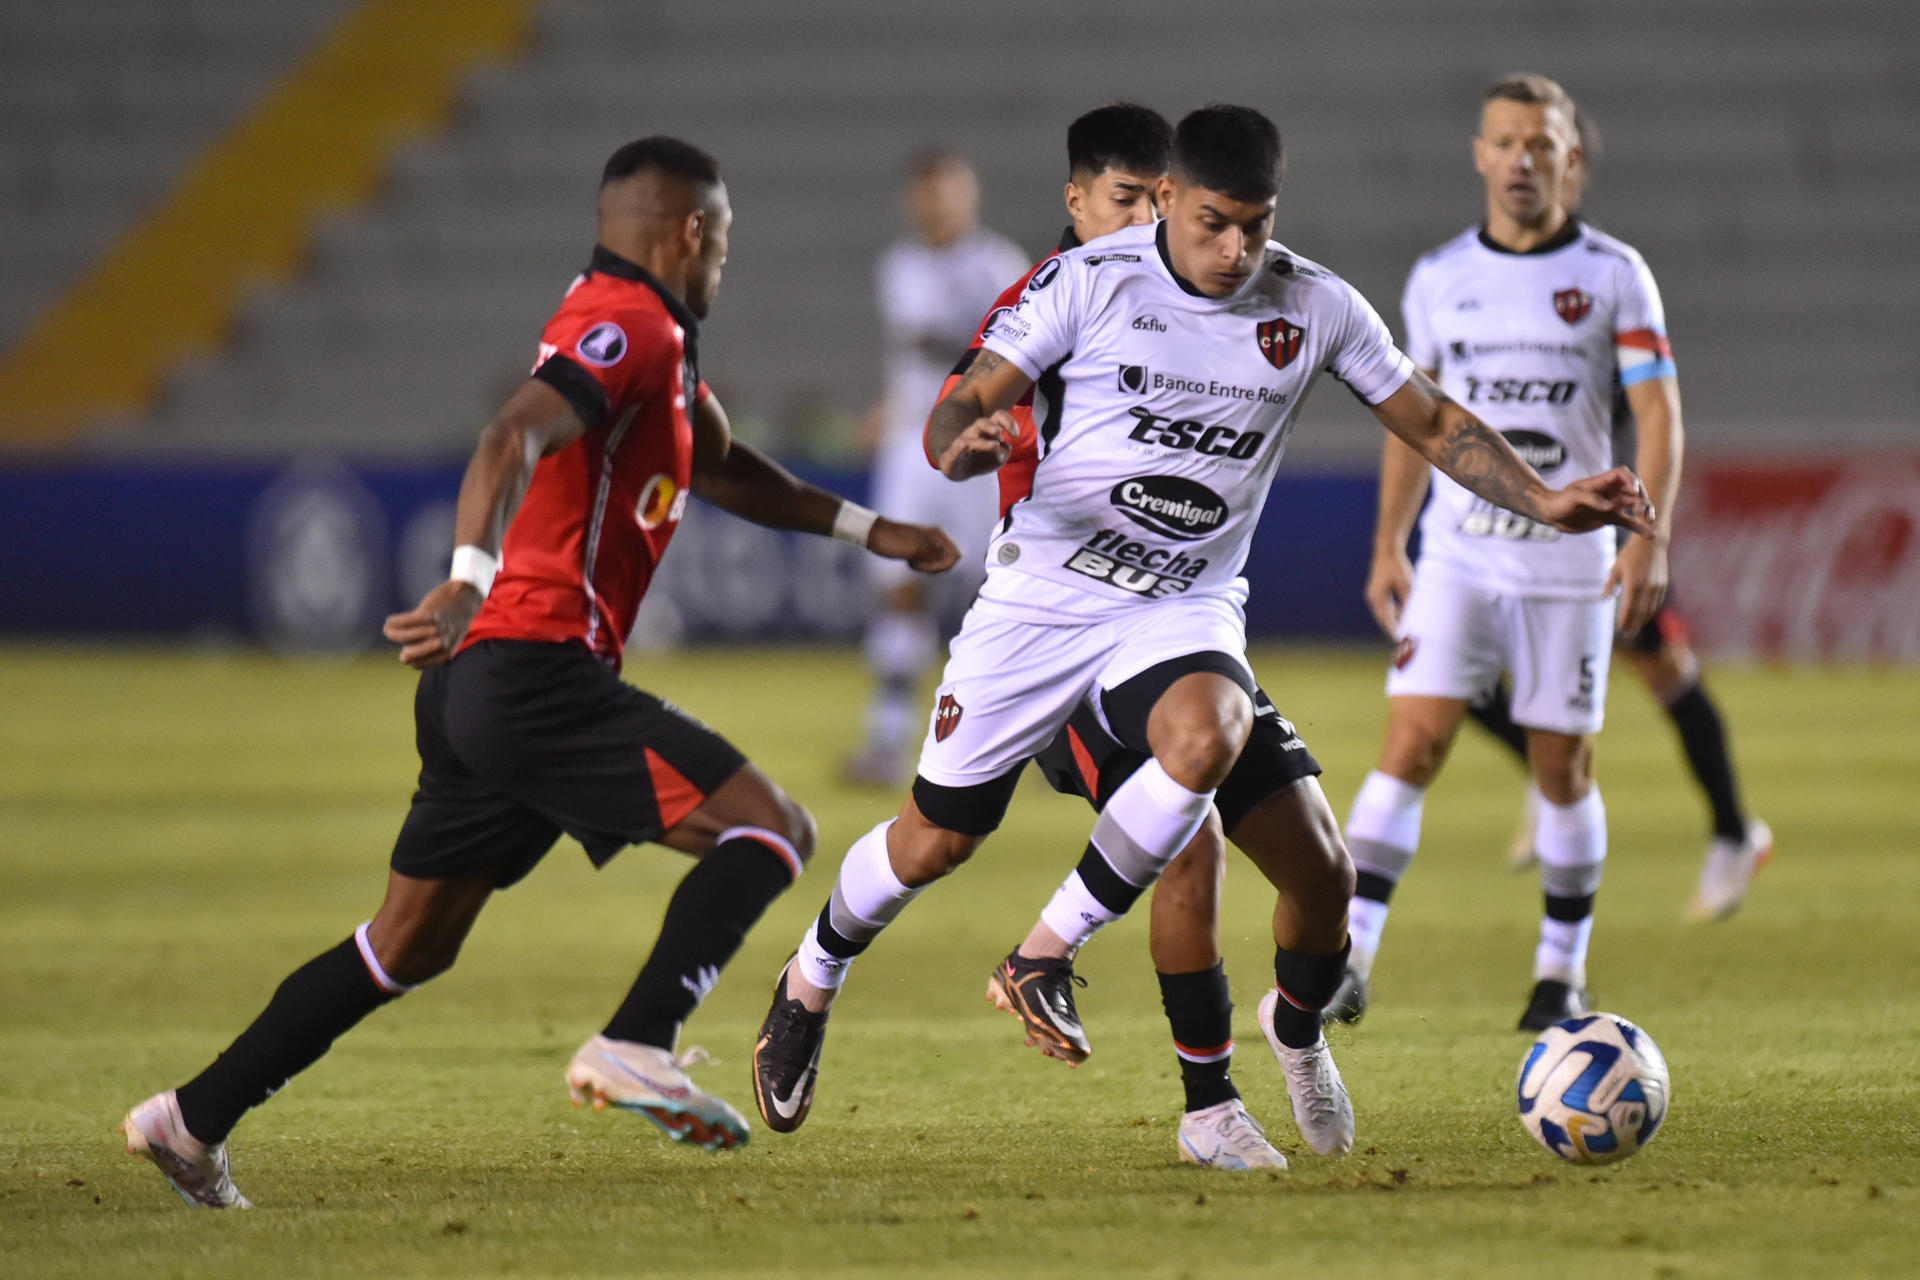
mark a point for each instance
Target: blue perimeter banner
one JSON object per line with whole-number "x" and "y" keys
{"x": 310, "y": 555}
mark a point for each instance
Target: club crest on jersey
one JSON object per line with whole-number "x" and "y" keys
{"x": 1572, "y": 305}
{"x": 1279, "y": 340}
{"x": 1043, "y": 275}
{"x": 603, "y": 345}
{"x": 946, "y": 717}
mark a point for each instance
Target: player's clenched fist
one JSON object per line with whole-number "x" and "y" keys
{"x": 429, "y": 632}
{"x": 926, "y": 548}
{"x": 984, "y": 446}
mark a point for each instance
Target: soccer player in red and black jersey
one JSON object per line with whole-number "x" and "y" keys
{"x": 524, "y": 728}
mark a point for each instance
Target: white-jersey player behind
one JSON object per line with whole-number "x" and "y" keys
{"x": 1533, "y": 343}
{"x": 1186, "y": 349}
{"x": 933, "y": 286}
{"x": 1531, "y": 322}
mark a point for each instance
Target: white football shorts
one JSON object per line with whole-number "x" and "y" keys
{"x": 1008, "y": 686}
{"x": 1456, "y": 638}
{"x": 906, "y": 488}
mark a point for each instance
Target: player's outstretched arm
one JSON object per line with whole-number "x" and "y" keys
{"x": 1481, "y": 461}
{"x": 739, "y": 478}
{"x": 535, "y": 421}
{"x": 970, "y": 432}
{"x": 1640, "y": 570}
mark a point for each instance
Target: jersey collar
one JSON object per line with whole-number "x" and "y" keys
{"x": 1068, "y": 240}
{"x": 1561, "y": 239}
{"x": 608, "y": 263}
{"x": 1166, "y": 260}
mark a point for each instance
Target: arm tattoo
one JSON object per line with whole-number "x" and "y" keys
{"x": 984, "y": 363}
{"x": 949, "y": 418}
{"x": 1481, "y": 460}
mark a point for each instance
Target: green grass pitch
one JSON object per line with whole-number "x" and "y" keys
{"x": 177, "y": 831}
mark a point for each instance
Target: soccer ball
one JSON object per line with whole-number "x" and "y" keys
{"x": 1593, "y": 1089}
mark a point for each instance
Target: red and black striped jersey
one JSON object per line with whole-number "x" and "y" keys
{"x": 597, "y": 516}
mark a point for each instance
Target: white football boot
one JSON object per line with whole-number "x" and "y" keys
{"x": 197, "y": 1171}
{"x": 1224, "y": 1136}
{"x": 1729, "y": 868}
{"x": 1320, "y": 1104}
{"x": 652, "y": 1082}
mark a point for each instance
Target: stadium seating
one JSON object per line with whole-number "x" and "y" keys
{"x": 1762, "y": 153}
{"x": 103, "y": 104}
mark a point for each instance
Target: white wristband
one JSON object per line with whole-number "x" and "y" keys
{"x": 475, "y": 566}
{"x": 853, "y": 523}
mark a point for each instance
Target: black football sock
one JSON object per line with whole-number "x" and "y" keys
{"x": 1704, "y": 738}
{"x": 710, "y": 912}
{"x": 1307, "y": 984}
{"x": 316, "y": 1004}
{"x": 1495, "y": 715}
{"x": 1200, "y": 1015}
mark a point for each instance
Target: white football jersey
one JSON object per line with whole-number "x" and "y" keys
{"x": 1174, "y": 412}
{"x": 1534, "y": 344}
{"x": 931, "y": 300}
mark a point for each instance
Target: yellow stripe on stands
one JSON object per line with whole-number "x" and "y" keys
{"x": 242, "y": 215}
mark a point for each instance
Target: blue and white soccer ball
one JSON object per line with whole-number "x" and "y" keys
{"x": 1593, "y": 1089}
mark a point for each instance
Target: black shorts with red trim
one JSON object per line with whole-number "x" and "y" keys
{"x": 1665, "y": 627}
{"x": 1085, "y": 760}
{"x": 524, "y": 741}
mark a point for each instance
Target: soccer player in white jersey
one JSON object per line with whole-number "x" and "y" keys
{"x": 1661, "y": 654}
{"x": 1116, "y": 156}
{"x": 1185, "y": 349}
{"x": 1529, "y": 320}
{"x": 933, "y": 286}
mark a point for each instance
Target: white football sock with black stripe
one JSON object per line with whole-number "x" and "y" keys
{"x": 1571, "y": 843}
{"x": 1148, "y": 821}
{"x": 867, "y": 895}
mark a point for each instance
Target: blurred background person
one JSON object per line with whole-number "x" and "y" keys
{"x": 933, "y": 284}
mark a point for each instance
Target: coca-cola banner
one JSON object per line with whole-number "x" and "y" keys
{"x": 1802, "y": 559}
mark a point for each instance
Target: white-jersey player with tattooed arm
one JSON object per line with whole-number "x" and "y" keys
{"x": 1184, "y": 350}
{"x": 1531, "y": 319}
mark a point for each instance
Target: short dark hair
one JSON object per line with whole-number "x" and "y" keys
{"x": 1233, "y": 150}
{"x": 669, "y": 156}
{"x": 1121, "y": 135}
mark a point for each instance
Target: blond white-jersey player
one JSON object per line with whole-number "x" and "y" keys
{"x": 1184, "y": 349}
{"x": 1530, "y": 321}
